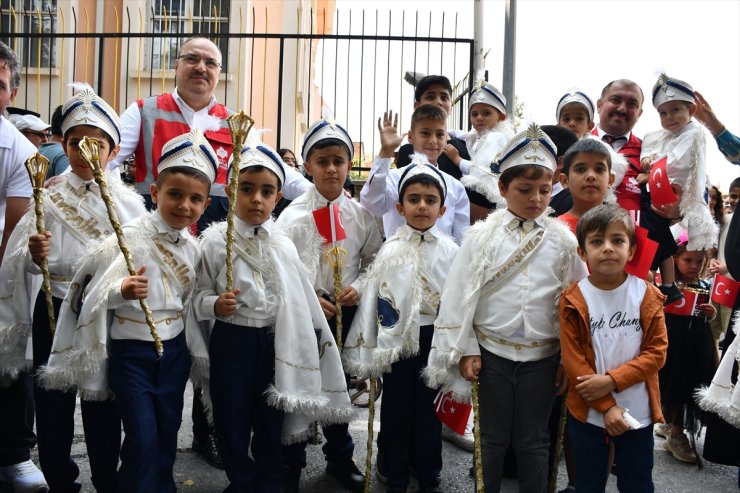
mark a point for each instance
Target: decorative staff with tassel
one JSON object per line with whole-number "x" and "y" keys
{"x": 558, "y": 447}
{"x": 477, "y": 455}
{"x": 90, "y": 153}
{"x": 239, "y": 124}
{"x": 37, "y": 165}
{"x": 370, "y": 437}
{"x": 336, "y": 256}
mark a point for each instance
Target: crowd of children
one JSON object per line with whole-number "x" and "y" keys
{"x": 475, "y": 282}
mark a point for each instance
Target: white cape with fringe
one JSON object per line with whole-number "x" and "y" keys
{"x": 404, "y": 281}
{"x": 722, "y": 396}
{"x": 309, "y": 383}
{"x": 19, "y": 287}
{"x": 484, "y": 150}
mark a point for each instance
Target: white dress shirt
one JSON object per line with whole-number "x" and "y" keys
{"x": 380, "y": 196}
{"x": 15, "y": 148}
{"x": 519, "y": 320}
{"x": 362, "y": 243}
{"x": 256, "y": 302}
{"x": 166, "y": 297}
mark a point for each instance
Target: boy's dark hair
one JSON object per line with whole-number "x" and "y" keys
{"x": 600, "y": 218}
{"x": 735, "y": 183}
{"x": 108, "y": 138}
{"x": 529, "y": 171}
{"x": 183, "y": 170}
{"x": 254, "y": 169}
{"x": 429, "y": 81}
{"x": 56, "y": 122}
{"x": 422, "y": 179}
{"x": 586, "y": 146}
{"x": 323, "y": 144}
{"x": 562, "y": 137}
{"x": 428, "y": 112}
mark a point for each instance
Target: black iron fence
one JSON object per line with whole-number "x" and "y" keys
{"x": 282, "y": 79}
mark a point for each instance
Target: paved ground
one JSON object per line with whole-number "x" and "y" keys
{"x": 193, "y": 475}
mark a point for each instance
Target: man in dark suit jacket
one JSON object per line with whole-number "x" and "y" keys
{"x": 436, "y": 90}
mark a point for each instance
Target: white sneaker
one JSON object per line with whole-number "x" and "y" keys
{"x": 25, "y": 477}
{"x": 464, "y": 441}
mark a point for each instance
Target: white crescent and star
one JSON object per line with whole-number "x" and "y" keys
{"x": 682, "y": 304}
{"x": 658, "y": 176}
{"x": 716, "y": 289}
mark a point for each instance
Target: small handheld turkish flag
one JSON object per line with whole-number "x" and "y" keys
{"x": 329, "y": 224}
{"x": 452, "y": 413}
{"x": 725, "y": 290}
{"x": 644, "y": 254}
{"x": 661, "y": 192}
{"x": 684, "y": 306}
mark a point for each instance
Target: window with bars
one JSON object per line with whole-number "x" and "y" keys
{"x": 173, "y": 18}
{"x": 30, "y": 16}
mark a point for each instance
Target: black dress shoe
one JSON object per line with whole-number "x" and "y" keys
{"x": 207, "y": 447}
{"x": 347, "y": 473}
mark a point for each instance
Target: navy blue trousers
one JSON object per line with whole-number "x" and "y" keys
{"x": 55, "y": 423}
{"x": 149, "y": 394}
{"x": 339, "y": 445}
{"x": 411, "y": 433}
{"x": 633, "y": 452}
{"x": 242, "y": 369}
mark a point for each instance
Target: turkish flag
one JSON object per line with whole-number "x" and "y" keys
{"x": 452, "y": 413}
{"x": 684, "y": 306}
{"x": 329, "y": 224}
{"x": 724, "y": 291}
{"x": 645, "y": 250}
{"x": 661, "y": 192}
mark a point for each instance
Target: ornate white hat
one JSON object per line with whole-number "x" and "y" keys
{"x": 260, "y": 154}
{"x": 670, "y": 89}
{"x": 532, "y": 146}
{"x": 485, "y": 93}
{"x": 420, "y": 165}
{"x": 87, "y": 108}
{"x": 190, "y": 150}
{"x": 575, "y": 96}
{"x": 322, "y": 130}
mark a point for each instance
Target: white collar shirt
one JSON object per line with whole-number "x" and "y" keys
{"x": 362, "y": 243}
{"x": 166, "y": 302}
{"x": 518, "y": 321}
{"x": 15, "y": 148}
{"x": 256, "y": 303}
{"x": 380, "y": 196}
{"x": 619, "y": 143}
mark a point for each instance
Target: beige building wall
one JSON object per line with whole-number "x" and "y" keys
{"x": 250, "y": 83}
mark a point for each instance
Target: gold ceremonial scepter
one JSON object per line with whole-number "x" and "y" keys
{"x": 478, "y": 457}
{"x": 37, "y": 165}
{"x": 336, "y": 256}
{"x": 370, "y": 419}
{"x": 90, "y": 153}
{"x": 558, "y": 446}
{"x": 239, "y": 124}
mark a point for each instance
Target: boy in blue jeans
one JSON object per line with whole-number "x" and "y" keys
{"x": 613, "y": 341}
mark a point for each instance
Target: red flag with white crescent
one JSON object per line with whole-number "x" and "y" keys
{"x": 661, "y": 192}
{"x": 329, "y": 224}
{"x": 725, "y": 290}
{"x": 684, "y": 306}
{"x": 452, "y": 413}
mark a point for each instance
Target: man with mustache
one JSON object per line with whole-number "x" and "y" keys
{"x": 619, "y": 107}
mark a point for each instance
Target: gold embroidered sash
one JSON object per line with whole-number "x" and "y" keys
{"x": 62, "y": 207}
{"x": 514, "y": 263}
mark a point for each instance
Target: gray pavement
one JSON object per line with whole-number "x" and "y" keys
{"x": 194, "y": 475}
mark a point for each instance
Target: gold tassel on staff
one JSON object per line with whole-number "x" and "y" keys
{"x": 478, "y": 457}
{"x": 370, "y": 420}
{"x": 239, "y": 124}
{"x": 558, "y": 447}
{"x": 336, "y": 257}
{"x": 90, "y": 153}
{"x": 37, "y": 165}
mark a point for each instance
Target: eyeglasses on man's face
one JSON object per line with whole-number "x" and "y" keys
{"x": 193, "y": 60}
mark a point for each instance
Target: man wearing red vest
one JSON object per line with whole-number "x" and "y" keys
{"x": 151, "y": 122}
